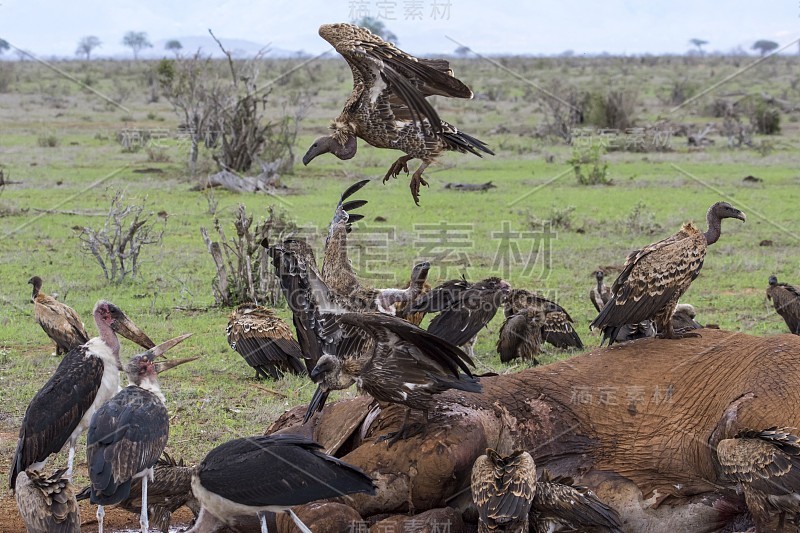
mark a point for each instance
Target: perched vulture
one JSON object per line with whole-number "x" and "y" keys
{"x": 388, "y": 106}
{"x": 61, "y": 323}
{"x": 47, "y": 504}
{"x": 503, "y": 489}
{"x": 600, "y": 293}
{"x": 557, "y": 328}
{"x": 560, "y": 505}
{"x": 655, "y": 277}
{"x": 388, "y": 357}
{"x": 338, "y": 273}
{"x": 464, "y": 308}
{"x": 521, "y": 336}
{"x": 683, "y": 319}
{"x": 264, "y": 341}
{"x": 509, "y": 498}
{"x": 786, "y": 299}
{"x": 170, "y": 490}
{"x": 767, "y": 466}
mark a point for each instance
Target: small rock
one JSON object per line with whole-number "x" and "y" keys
{"x": 766, "y": 242}
{"x": 752, "y": 179}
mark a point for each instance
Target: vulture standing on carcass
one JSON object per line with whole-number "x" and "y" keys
{"x": 128, "y": 434}
{"x": 84, "y": 380}
{"x": 786, "y": 299}
{"x": 264, "y": 341}
{"x": 521, "y": 336}
{"x": 656, "y": 276}
{"x": 170, "y": 489}
{"x": 273, "y": 473}
{"x": 47, "y": 504}
{"x": 600, "y": 293}
{"x": 464, "y": 308}
{"x": 509, "y": 498}
{"x": 767, "y": 466}
{"x": 61, "y": 323}
{"x": 557, "y": 328}
{"x": 388, "y": 357}
{"x": 340, "y": 277}
{"x": 388, "y": 106}
{"x": 683, "y": 319}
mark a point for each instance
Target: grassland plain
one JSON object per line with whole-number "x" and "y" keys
{"x": 56, "y": 189}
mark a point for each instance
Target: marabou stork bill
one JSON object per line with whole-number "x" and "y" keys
{"x": 85, "y": 379}
{"x": 249, "y": 476}
{"x": 128, "y": 433}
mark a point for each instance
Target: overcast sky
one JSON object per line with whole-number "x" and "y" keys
{"x": 53, "y": 27}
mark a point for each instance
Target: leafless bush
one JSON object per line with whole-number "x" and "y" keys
{"x": 117, "y": 245}
{"x": 614, "y": 108}
{"x": 243, "y": 273}
{"x": 677, "y": 91}
{"x": 562, "y": 111}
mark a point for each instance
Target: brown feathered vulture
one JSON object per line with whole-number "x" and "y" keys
{"x": 61, "y": 323}
{"x": 521, "y": 336}
{"x": 264, "y": 341}
{"x": 600, "y": 293}
{"x": 786, "y": 299}
{"x": 170, "y": 489}
{"x": 47, "y": 504}
{"x": 557, "y": 328}
{"x": 767, "y": 466}
{"x": 388, "y": 357}
{"x": 683, "y": 319}
{"x": 656, "y": 276}
{"x": 509, "y": 498}
{"x": 388, "y": 106}
{"x": 503, "y": 489}
{"x": 464, "y": 308}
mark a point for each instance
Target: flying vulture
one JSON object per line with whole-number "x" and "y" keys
{"x": 464, "y": 308}
{"x": 557, "y": 328}
{"x": 61, "y": 323}
{"x": 655, "y": 277}
{"x": 786, "y": 299}
{"x": 388, "y": 357}
{"x": 388, "y": 106}
{"x": 510, "y": 498}
{"x": 767, "y": 466}
{"x": 264, "y": 341}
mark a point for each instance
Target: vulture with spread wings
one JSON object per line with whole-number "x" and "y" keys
{"x": 388, "y": 357}
{"x": 557, "y": 328}
{"x": 388, "y": 106}
{"x": 655, "y": 277}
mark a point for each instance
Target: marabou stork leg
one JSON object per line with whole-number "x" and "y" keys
{"x": 401, "y": 165}
{"x": 299, "y": 523}
{"x": 70, "y": 459}
{"x": 143, "y": 520}
{"x": 416, "y": 181}
{"x": 262, "y": 517}
{"x": 100, "y": 514}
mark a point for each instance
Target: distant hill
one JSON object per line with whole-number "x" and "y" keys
{"x": 238, "y": 47}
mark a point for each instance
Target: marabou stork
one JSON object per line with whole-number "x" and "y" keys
{"x": 84, "y": 380}
{"x": 128, "y": 433}
{"x": 252, "y": 475}
{"x": 61, "y": 323}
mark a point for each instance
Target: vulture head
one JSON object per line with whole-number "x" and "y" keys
{"x": 36, "y": 281}
{"x": 716, "y": 213}
{"x": 599, "y": 275}
{"x": 328, "y": 372}
{"x": 344, "y": 149}
{"x": 773, "y": 280}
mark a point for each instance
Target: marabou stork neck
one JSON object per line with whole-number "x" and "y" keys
{"x": 269, "y": 473}
{"x": 129, "y": 432}
{"x": 84, "y": 380}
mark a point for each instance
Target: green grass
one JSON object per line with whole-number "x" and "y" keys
{"x": 216, "y": 397}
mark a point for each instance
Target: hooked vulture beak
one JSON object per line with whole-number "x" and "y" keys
{"x": 319, "y": 147}
{"x": 741, "y": 216}
{"x": 125, "y": 327}
{"x": 316, "y": 372}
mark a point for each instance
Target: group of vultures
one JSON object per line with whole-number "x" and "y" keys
{"x": 345, "y": 332}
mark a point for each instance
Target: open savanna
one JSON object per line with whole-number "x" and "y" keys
{"x": 59, "y": 150}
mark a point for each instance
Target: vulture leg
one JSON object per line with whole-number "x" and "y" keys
{"x": 299, "y": 523}
{"x": 417, "y": 180}
{"x": 143, "y": 521}
{"x": 401, "y": 165}
{"x": 406, "y": 431}
{"x": 100, "y": 514}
